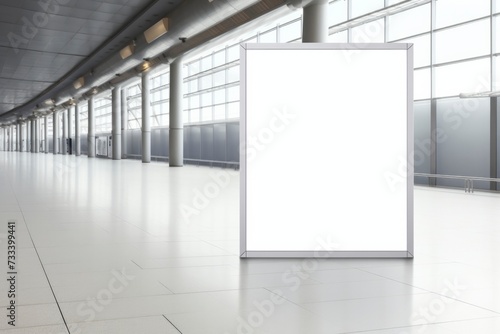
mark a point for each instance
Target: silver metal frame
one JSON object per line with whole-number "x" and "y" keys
{"x": 243, "y": 161}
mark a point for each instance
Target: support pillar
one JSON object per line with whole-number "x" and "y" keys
{"x": 91, "y": 126}
{"x": 146, "y": 117}
{"x": 70, "y": 130}
{"x": 64, "y": 148}
{"x": 18, "y": 137}
{"x": 176, "y": 133}
{"x": 21, "y": 137}
{"x": 124, "y": 110}
{"x": 46, "y": 132}
{"x": 315, "y": 22}
{"x": 12, "y": 138}
{"x": 4, "y": 146}
{"x": 116, "y": 123}
{"x": 28, "y": 136}
{"x": 37, "y": 135}
{"x": 78, "y": 139}
{"x": 55, "y": 132}
{"x": 33, "y": 129}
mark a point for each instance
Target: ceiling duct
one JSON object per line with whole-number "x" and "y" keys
{"x": 190, "y": 24}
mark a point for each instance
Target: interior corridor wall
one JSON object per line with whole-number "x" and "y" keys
{"x": 422, "y": 130}
{"x": 463, "y": 148}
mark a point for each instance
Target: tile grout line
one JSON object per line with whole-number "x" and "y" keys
{"x": 40, "y": 260}
{"x": 431, "y": 292}
{"x": 172, "y": 324}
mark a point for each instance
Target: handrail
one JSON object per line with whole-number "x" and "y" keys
{"x": 468, "y": 180}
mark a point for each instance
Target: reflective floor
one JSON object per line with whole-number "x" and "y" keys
{"x": 123, "y": 247}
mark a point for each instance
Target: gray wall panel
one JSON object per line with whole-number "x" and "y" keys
{"x": 136, "y": 148}
{"x": 195, "y": 143}
{"x": 464, "y": 148}
{"x": 155, "y": 142}
{"x": 220, "y": 142}
{"x": 207, "y": 142}
{"x": 233, "y": 142}
{"x": 422, "y": 128}
{"x": 164, "y": 142}
{"x": 84, "y": 144}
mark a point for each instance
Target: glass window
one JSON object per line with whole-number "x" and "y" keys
{"x": 465, "y": 41}
{"x": 206, "y": 82}
{"x": 233, "y": 93}
{"x": 219, "y": 58}
{"x": 496, "y": 8}
{"x": 219, "y": 78}
{"x": 268, "y": 36}
{"x": 194, "y": 67}
{"x": 393, "y": 2}
{"x": 194, "y": 115}
{"x": 465, "y": 77}
{"x": 339, "y": 37}
{"x": 192, "y": 85}
{"x": 337, "y": 12}
{"x": 496, "y": 74}
{"x": 290, "y": 32}
{"x": 421, "y": 50}
{"x": 361, "y": 7}
{"x": 220, "y": 112}
{"x": 185, "y": 116}
{"x": 233, "y": 74}
{"x": 206, "y": 114}
{"x": 194, "y": 101}
{"x": 422, "y": 84}
{"x": 496, "y": 33}
{"x": 206, "y": 99}
{"x": 449, "y": 12}
{"x": 233, "y": 53}
{"x": 220, "y": 96}
{"x": 371, "y": 32}
{"x": 410, "y": 22}
{"x": 206, "y": 63}
{"x": 233, "y": 110}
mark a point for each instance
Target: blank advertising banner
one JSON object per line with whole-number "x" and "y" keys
{"x": 326, "y": 136}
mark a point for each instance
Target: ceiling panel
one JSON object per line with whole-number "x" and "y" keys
{"x": 36, "y": 54}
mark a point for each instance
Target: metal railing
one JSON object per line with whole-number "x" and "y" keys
{"x": 468, "y": 180}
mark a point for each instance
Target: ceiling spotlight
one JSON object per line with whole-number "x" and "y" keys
{"x": 159, "y": 29}
{"x": 183, "y": 39}
{"x": 50, "y": 102}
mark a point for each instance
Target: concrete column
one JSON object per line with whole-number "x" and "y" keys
{"x": 11, "y": 138}
{"x": 18, "y": 137}
{"x": 116, "y": 123}
{"x": 32, "y": 141}
{"x": 70, "y": 131}
{"x": 37, "y": 135}
{"x": 55, "y": 132}
{"x": 28, "y": 136}
{"x": 78, "y": 144}
{"x": 146, "y": 117}
{"x": 315, "y": 22}
{"x": 124, "y": 110}
{"x": 91, "y": 126}
{"x": 4, "y": 135}
{"x": 21, "y": 137}
{"x": 176, "y": 133}
{"x": 65, "y": 132}
{"x": 46, "y": 132}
